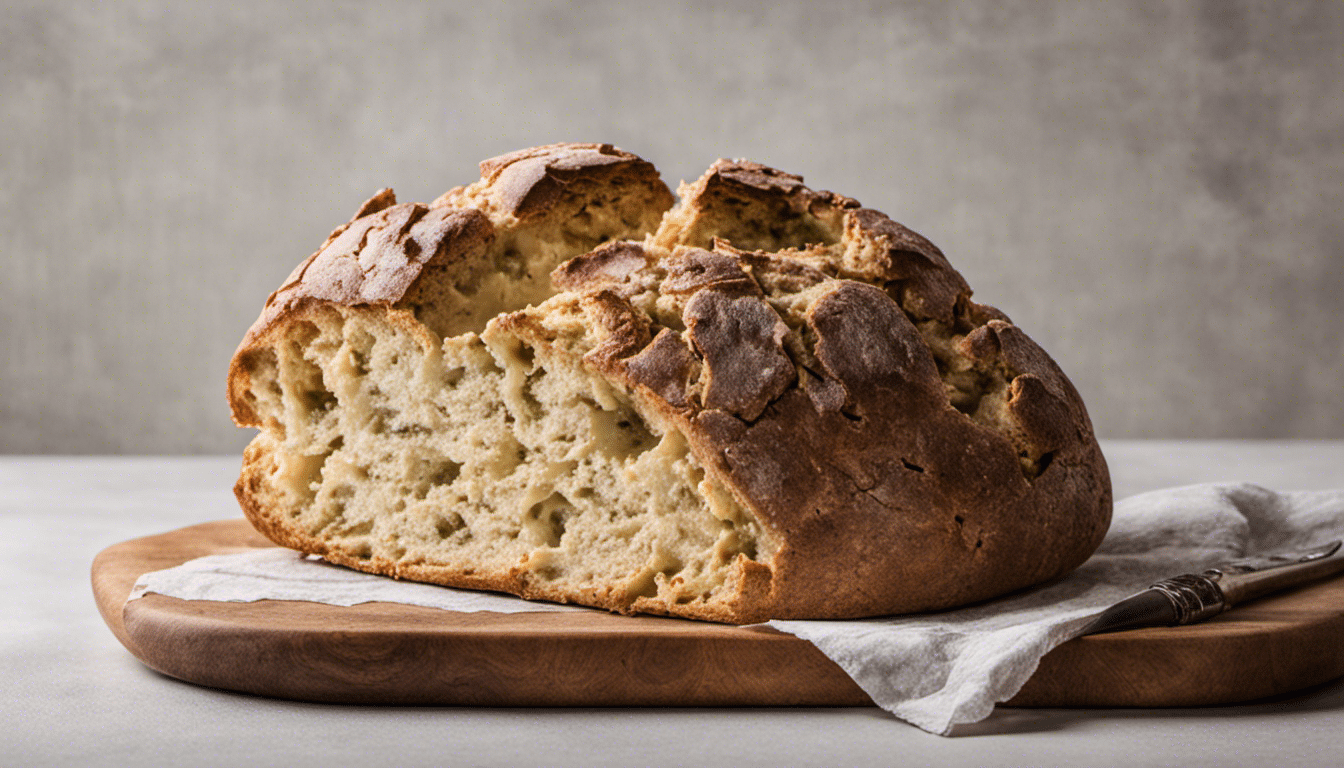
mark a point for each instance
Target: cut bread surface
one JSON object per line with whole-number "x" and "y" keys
{"x": 763, "y": 402}
{"x": 503, "y": 464}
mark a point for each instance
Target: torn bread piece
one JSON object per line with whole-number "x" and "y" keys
{"x": 766, "y": 402}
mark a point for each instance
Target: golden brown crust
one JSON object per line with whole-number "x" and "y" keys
{"x": 530, "y": 183}
{"x": 927, "y": 287}
{"x": 729, "y": 179}
{"x": 932, "y": 509}
{"x": 380, "y": 255}
{"x": 892, "y": 479}
{"x": 886, "y": 496}
{"x": 608, "y": 264}
{"x": 375, "y": 259}
{"x": 740, "y": 341}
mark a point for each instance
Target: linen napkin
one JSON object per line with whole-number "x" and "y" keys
{"x": 934, "y": 670}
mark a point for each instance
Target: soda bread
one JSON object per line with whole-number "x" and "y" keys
{"x": 765, "y": 402}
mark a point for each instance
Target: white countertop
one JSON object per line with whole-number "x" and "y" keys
{"x": 74, "y": 696}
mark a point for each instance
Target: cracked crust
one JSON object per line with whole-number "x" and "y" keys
{"x": 901, "y": 447}
{"x": 377, "y": 259}
{"x": 892, "y": 487}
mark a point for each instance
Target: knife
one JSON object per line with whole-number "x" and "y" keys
{"x": 1195, "y": 597}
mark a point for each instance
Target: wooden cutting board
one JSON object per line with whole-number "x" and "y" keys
{"x": 384, "y": 653}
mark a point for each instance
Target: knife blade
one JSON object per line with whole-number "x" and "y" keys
{"x": 1194, "y": 597}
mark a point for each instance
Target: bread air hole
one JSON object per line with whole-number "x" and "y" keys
{"x": 502, "y": 458}
{"x": 531, "y": 407}
{"x": 448, "y": 524}
{"x": 1034, "y": 466}
{"x": 300, "y": 475}
{"x": 545, "y": 520}
{"x": 425, "y": 473}
{"x": 361, "y": 528}
{"x": 305, "y": 396}
{"x": 655, "y": 577}
{"x": 1043, "y": 463}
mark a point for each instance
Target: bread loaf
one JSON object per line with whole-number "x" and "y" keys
{"x": 764, "y": 402}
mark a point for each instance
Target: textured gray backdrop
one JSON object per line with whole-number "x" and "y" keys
{"x": 1151, "y": 189}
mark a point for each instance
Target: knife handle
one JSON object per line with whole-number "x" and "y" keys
{"x": 1195, "y": 597}
{"x": 1239, "y": 587}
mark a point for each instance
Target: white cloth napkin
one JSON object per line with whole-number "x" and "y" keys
{"x": 274, "y": 573}
{"x": 934, "y": 670}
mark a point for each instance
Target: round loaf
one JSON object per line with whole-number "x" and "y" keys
{"x": 765, "y": 402}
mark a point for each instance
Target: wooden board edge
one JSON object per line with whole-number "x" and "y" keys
{"x": 1095, "y": 671}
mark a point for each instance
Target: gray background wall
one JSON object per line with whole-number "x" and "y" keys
{"x": 1151, "y": 189}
